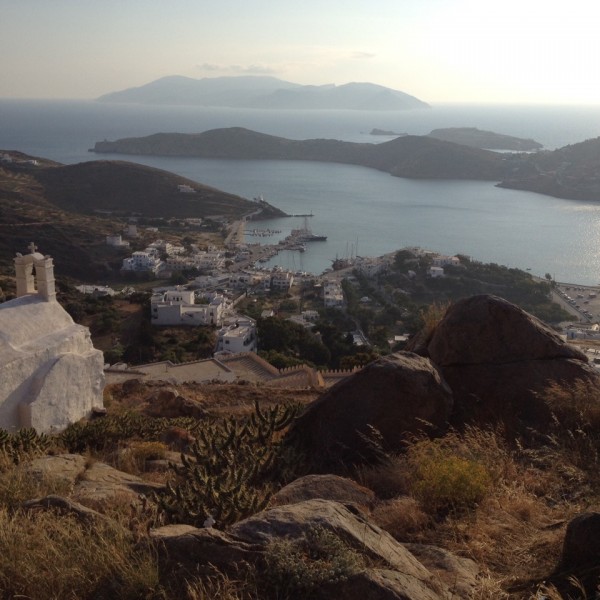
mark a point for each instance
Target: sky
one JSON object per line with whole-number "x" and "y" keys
{"x": 481, "y": 51}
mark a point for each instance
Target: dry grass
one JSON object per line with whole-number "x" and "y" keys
{"x": 45, "y": 556}
{"x": 514, "y": 532}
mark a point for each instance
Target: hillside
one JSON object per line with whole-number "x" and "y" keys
{"x": 124, "y": 188}
{"x": 465, "y": 468}
{"x": 408, "y": 156}
{"x": 54, "y": 205}
{"x": 477, "y": 138}
{"x": 265, "y": 93}
{"x": 571, "y": 172}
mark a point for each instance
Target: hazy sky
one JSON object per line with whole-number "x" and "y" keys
{"x": 538, "y": 51}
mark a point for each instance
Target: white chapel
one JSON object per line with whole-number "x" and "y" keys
{"x": 50, "y": 373}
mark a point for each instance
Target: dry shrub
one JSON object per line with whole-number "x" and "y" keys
{"x": 17, "y": 486}
{"x": 388, "y": 479}
{"x": 400, "y": 517}
{"x": 576, "y": 410}
{"x": 218, "y": 586}
{"x": 431, "y": 316}
{"x": 133, "y": 458}
{"x": 44, "y": 556}
{"x": 576, "y": 404}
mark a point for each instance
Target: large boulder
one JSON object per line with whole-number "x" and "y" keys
{"x": 579, "y": 563}
{"x": 391, "y": 572}
{"x": 188, "y": 548}
{"x": 581, "y": 546}
{"x": 326, "y": 487}
{"x": 402, "y": 576}
{"x": 89, "y": 482}
{"x": 394, "y": 397}
{"x": 499, "y": 360}
{"x": 168, "y": 403}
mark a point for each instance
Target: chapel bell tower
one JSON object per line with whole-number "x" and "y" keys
{"x": 35, "y": 268}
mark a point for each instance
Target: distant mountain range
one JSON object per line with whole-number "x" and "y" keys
{"x": 265, "y": 93}
{"x": 569, "y": 172}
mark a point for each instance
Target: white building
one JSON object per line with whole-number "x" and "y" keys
{"x": 116, "y": 240}
{"x": 445, "y": 261}
{"x": 435, "y": 272}
{"x": 282, "y": 280}
{"x": 142, "y": 261}
{"x": 205, "y": 282}
{"x": 50, "y": 373}
{"x": 239, "y": 336}
{"x": 333, "y": 295}
{"x": 178, "y": 307}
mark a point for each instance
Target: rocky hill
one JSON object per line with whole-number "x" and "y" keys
{"x": 571, "y": 172}
{"x": 407, "y": 156}
{"x": 265, "y": 93}
{"x": 465, "y": 468}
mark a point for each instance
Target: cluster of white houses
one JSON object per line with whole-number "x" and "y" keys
{"x": 163, "y": 256}
{"x": 439, "y": 262}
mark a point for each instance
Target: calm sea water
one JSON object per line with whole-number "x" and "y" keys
{"x": 362, "y": 211}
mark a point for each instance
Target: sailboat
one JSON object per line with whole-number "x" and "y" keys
{"x": 306, "y": 235}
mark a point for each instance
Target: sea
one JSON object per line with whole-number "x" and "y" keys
{"x": 363, "y": 212}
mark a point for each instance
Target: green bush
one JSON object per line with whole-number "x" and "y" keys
{"x": 447, "y": 482}
{"x": 304, "y": 568}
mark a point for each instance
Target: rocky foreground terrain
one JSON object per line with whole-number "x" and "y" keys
{"x": 464, "y": 467}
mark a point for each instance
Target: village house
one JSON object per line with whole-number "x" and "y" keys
{"x": 142, "y": 261}
{"x": 178, "y": 307}
{"x": 282, "y": 280}
{"x": 445, "y": 261}
{"x": 333, "y": 295}
{"x": 116, "y": 240}
{"x": 238, "y": 336}
{"x": 435, "y": 272}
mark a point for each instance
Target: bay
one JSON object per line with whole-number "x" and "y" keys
{"x": 361, "y": 211}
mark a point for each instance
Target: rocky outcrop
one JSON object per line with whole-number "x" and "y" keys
{"x": 325, "y": 487}
{"x": 579, "y": 564}
{"x": 581, "y": 546}
{"x": 398, "y": 396}
{"x": 391, "y": 571}
{"x": 498, "y": 360}
{"x": 487, "y": 361}
{"x": 89, "y": 483}
{"x": 397, "y": 575}
{"x": 168, "y": 403}
{"x": 188, "y": 548}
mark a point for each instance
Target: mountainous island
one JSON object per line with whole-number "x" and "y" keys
{"x": 477, "y": 138}
{"x": 572, "y": 172}
{"x": 408, "y": 156}
{"x": 264, "y": 93}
